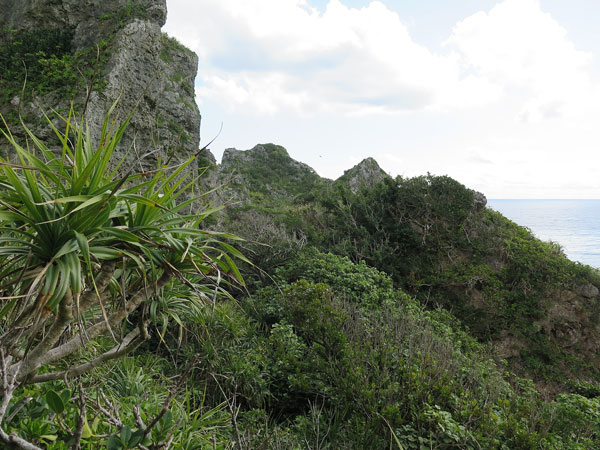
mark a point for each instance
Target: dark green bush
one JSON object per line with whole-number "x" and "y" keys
{"x": 323, "y": 354}
{"x": 44, "y": 58}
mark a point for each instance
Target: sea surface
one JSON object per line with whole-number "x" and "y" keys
{"x": 574, "y": 224}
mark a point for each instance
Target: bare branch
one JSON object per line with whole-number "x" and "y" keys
{"x": 18, "y": 407}
{"x": 113, "y": 408}
{"x": 136, "y": 413}
{"x": 100, "y": 327}
{"x": 8, "y": 387}
{"x": 15, "y": 441}
{"x": 62, "y": 321}
{"x": 81, "y": 423}
{"x": 234, "y": 410}
{"x": 171, "y": 435}
{"x": 111, "y": 414}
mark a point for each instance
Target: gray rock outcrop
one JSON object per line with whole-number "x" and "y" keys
{"x": 85, "y": 16}
{"x": 267, "y": 169}
{"x": 365, "y": 174}
{"x": 264, "y": 153}
{"x": 144, "y": 68}
{"x": 267, "y": 174}
{"x": 479, "y": 201}
{"x": 587, "y": 290}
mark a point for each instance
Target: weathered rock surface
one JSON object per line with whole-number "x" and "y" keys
{"x": 479, "y": 201}
{"x": 83, "y": 15}
{"x": 587, "y": 290}
{"x": 145, "y": 68}
{"x": 265, "y": 153}
{"x": 365, "y": 174}
{"x": 268, "y": 169}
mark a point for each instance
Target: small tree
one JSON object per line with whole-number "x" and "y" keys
{"x": 82, "y": 249}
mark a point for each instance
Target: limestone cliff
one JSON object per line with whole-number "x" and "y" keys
{"x": 133, "y": 61}
{"x": 439, "y": 242}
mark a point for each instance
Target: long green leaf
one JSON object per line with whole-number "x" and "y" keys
{"x": 105, "y": 253}
{"x": 83, "y": 244}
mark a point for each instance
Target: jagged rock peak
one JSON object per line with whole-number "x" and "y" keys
{"x": 479, "y": 200}
{"x": 266, "y": 171}
{"x": 367, "y": 164}
{"x": 262, "y": 150}
{"x": 365, "y": 174}
{"x": 261, "y": 154}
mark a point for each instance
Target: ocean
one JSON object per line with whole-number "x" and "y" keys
{"x": 574, "y": 224}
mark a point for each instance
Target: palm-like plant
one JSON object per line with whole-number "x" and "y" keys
{"x": 82, "y": 248}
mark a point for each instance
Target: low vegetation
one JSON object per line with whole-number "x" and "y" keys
{"x": 122, "y": 326}
{"x": 405, "y": 315}
{"x": 85, "y": 253}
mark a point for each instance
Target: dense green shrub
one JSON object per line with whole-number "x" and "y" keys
{"x": 314, "y": 358}
{"x": 43, "y": 61}
{"x": 438, "y": 244}
{"x": 130, "y": 385}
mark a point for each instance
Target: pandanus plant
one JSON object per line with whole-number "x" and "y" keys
{"x": 84, "y": 246}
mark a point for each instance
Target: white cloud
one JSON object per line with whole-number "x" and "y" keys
{"x": 268, "y": 55}
{"x": 519, "y": 46}
{"x": 252, "y": 93}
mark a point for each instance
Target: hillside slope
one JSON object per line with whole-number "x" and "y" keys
{"x": 377, "y": 312}
{"x": 439, "y": 243}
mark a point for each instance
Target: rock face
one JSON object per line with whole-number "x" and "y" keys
{"x": 266, "y": 172}
{"x": 84, "y": 15}
{"x": 269, "y": 154}
{"x": 479, "y": 201}
{"x": 587, "y": 290}
{"x": 364, "y": 175}
{"x": 144, "y": 68}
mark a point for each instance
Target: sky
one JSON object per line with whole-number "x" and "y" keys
{"x": 503, "y": 96}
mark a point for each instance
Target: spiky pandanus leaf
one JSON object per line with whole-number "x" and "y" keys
{"x": 65, "y": 215}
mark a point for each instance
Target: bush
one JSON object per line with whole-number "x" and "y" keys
{"x": 83, "y": 249}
